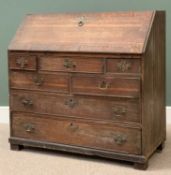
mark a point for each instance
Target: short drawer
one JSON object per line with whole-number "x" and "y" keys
{"x": 22, "y": 61}
{"x": 77, "y": 132}
{"x": 106, "y": 86}
{"x": 128, "y": 66}
{"x": 88, "y": 107}
{"x": 71, "y": 64}
{"x": 39, "y": 81}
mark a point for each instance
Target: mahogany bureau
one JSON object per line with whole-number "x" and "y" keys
{"x": 89, "y": 83}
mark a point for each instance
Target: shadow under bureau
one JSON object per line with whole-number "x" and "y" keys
{"x": 89, "y": 83}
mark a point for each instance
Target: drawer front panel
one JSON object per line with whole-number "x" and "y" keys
{"x": 19, "y": 61}
{"x": 42, "y": 82}
{"x": 80, "y": 133}
{"x": 70, "y": 64}
{"x": 123, "y": 66}
{"x": 106, "y": 86}
{"x": 113, "y": 109}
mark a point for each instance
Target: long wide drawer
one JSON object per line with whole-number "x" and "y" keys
{"x": 103, "y": 108}
{"x": 106, "y": 85}
{"x": 77, "y": 132}
{"x": 39, "y": 81}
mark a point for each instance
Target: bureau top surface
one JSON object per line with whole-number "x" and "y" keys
{"x": 109, "y": 32}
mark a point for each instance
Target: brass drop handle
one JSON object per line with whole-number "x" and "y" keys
{"x": 22, "y": 62}
{"x": 73, "y": 127}
{"x": 123, "y": 65}
{"x": 69, "y": 64}
{"x": 120, "y": 139}
{"x": 38, "y": 80}
{"x": 104, "y": 85}
{"x": 119, "y": 111}
{"x": 27, "y": 102}
{"x": 29, "y": 128}
{"x": 71, "y": 102}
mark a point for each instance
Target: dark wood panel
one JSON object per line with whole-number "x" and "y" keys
{"x": 77, "y": 133}
{"x": 22, "y": 61}
{"x": 99, "y": 108}
{"x": 19, "y": 142}
{"x": 71, "y": 64}
{"x": 154, "y": 116}
{"x": 106, "y": 86}
{"x": 123, "y": 65}
{"x": 39, "y": 81}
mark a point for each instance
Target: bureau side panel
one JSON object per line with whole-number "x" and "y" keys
{"x": 153, "y": 87}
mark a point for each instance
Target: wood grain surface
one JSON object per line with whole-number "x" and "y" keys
{"x": 121, "y": 32}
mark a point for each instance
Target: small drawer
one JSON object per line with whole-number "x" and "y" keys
{"x": 71, "y": 64}
{"x": 106, "y": 86}
{"x": 77, "y": 132}
{"x": 87, "y": 107}
{"x": 41, "y": 82}
{"x": 129, "y": 66}
{"x": 22, "y": 61}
